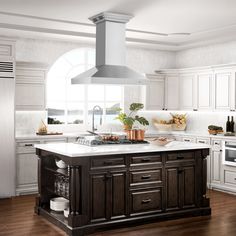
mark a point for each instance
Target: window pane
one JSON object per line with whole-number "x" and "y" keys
{"x": 95, "y": 92}
{"x": 91, "y": 57}
{"x": 75, "y": 92}
{"x": 112, "y": 110}
{"x": 75, "y": 113}
{"x": 56, "y": 89}
{"x": 74, "y": 71}
{"x": 114, "y": 93}
{"x": 56, "y": 113}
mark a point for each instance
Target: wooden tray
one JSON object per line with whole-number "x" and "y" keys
{"x": 50, "y": 133}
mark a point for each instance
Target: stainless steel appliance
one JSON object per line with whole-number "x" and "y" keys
{"x": 7, "y": 139}
{"x": 229, "y": 153}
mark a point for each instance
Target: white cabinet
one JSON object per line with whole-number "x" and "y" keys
{"x": 26, "y": 165}
{"x": 154, "y": 93}
{"x": 222, "y": 83}
{"x": 171, "y": 92}
{"x": 204, "y": 91}
{"x": 187, "y": 91}
{"x": 7, "y": 49}
{"x": 30, "y": 86}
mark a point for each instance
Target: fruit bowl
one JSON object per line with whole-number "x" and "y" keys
{"x": 179, "y": 127}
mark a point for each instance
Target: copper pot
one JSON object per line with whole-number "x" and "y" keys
{"x": 136, "y": 134}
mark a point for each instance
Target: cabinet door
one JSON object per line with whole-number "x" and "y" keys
{"x": 187, "y": 92}
{"x": 117, "y": 195}
{"x": 26, "y": 169}
{"x": 98, "y": 197}
{"x": 188, "y": 186}
{"x": 172, "y": 92}
{"x": 172, "y": 189}
{"x": 215, "y": 166}
{"x": 204, "y": 91}
{"x": 222, "y": 90}
{"x": 155, "y": 93}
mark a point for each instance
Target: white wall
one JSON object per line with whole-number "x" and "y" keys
{"x": 48, "y": 51}
{"x": 208, "y": 55}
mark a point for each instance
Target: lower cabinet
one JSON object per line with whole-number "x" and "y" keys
{"x": 108, "y": 195}
{"x": 180, "y": 187}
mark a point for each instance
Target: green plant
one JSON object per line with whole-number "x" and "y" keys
{"x": 128, "y": 120}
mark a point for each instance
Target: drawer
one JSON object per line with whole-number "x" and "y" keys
{"x": 98, "y": 163}
{"x": 146, "y": 201}
{"x": 60, "y": 140}
{"x": 230, "y": 177}
{"x": 203, "y": 140}
{"x": 182, "y": 156}
{"x": 145, "y": 177}
{"x": 145, "y": 160}
{"x": 26, "y": 147}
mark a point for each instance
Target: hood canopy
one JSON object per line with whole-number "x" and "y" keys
{"x": 110, "y": 54}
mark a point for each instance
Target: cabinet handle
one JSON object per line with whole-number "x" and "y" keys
{"x": 29, "y": 145}
{"x": 187, "y": 140}
{"x": 194, "y": 109}
{"x": 166, "y": 109}
{"x": 145, "y": 159}
{"x": 220, "y": 150}
{"x": 146, "y": 177}
{"x": 232, "y": 110}
{"x": 201, "y": 141}
{"x": 180, "y": 157}
{"x": 146, "y": 200}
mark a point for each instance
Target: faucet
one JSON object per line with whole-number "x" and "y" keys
{"x": 96, "y": 108}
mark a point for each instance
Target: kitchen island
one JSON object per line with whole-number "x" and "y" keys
{"x": 117, "y": 185}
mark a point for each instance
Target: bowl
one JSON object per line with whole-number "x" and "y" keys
{"x": 163, "y": 127}
{"x": 59, "y": 204}
{"x": 160, "y": 141}
{"x": 60, "y": 164}
{"x": 179, "y": 127}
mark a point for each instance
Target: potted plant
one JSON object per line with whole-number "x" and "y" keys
{"x": 128, "y": 121}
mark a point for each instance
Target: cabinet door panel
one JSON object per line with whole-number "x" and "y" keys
{"x": 216, "y": 164}
{"x": 187, "y": 92}
{"x": 98, "y": 197}
{"x": 118, "y": 194}
{"x": 172, "y": 92}
{"x": 204, "y": 91}
{"x": 26, "y": 168}
{"x": 188, "y": 186}
{"x": 172, "y": 188}
{"x": 222, "y": 91}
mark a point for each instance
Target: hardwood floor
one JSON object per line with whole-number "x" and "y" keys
{"x": 17, "y": 218}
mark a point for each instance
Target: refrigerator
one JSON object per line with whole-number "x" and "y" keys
{"x": 7, "y": 134}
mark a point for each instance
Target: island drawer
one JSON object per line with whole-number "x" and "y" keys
{"x": 105, "y": 162}
{"x": 181, "y": 156}
{"x": 143, "y": 201}
{"x": 145, "y": 160}
{"x": 145, "y": 177}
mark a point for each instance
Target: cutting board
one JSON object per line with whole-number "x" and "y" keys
{"x": 50, "y": 133}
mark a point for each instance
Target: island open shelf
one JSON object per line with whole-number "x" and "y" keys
{"x": 107, "y": 190}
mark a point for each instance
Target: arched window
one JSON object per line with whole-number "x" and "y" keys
{"x": 73, "y": 103}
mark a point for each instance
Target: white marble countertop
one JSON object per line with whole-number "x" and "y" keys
{"x": 77, "y": 150}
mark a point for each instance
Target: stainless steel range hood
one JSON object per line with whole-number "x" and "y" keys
{"x": 110, "y": 53}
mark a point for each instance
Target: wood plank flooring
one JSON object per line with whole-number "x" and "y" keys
{"x": 17, "y": 218}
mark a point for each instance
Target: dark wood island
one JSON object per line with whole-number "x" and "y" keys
{"x": 117, "y": 186}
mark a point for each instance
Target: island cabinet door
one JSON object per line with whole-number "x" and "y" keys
{"x": 180, "y": 187}
{"x": 108, "y": 196}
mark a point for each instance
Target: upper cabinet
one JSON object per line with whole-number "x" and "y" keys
{"x": 171, "y": 92}
{"x": 154, "y": 93}
{"x": 30, "y": 86}
{"x": 198, "y": 89}
{"x": 187, "y": 93}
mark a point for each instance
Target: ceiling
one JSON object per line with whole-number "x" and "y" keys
{"x": 154, "y": 22}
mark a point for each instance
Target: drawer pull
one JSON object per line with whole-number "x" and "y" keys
{"x": 29, "y": 145}
{"x": 107, "y": 163}
{"x": 144, "y": 201}
{"x": 145, "y": 159}
{"x": 180, "y": 157}
{"x": 146, "y": 177}
{"x": 201, "y": 141}
{"x": 187, "y": 140}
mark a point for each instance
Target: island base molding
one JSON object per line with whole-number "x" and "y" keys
{"x": 124, "y": 189}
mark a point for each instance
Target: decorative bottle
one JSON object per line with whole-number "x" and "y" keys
{"x": 228, "y": 125}
{"x": 232, "y": 124}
